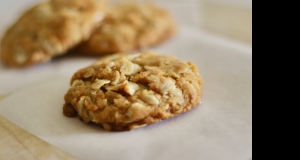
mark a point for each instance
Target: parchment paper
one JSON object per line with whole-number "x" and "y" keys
{"x": 219, "y": 128}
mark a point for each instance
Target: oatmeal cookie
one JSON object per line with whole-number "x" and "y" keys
{"x": 130, "y": 26}
{"x": 125, "y": 92}
{"x": 49, "y": 29}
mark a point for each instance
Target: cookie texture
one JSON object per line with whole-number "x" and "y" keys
{"x": 49, "y": 29}
{"x": 124, "y": 92}
{"x": 130, "y": 26}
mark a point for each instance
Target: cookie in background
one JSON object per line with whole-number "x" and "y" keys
{"x": 50, "y": 29}
{"x": 130, "y": 26}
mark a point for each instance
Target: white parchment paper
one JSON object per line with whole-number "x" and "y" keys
{"x": 219, "y": 128}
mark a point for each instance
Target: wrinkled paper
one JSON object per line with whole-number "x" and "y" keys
{"x": 219, "y": 128}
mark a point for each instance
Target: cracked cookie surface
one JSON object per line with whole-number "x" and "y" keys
{"x": 49, "y": 29}
{"x": 129, "y": 91}
{"x": 130, "y": 26}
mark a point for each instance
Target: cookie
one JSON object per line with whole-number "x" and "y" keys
{"x": 49, "y": 29}
{"x": 130, "y": 26}
{"x": 124, "y": 92}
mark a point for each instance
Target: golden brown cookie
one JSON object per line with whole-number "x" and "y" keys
{"x": 130, "y": 26}
{"x": 50, "y": 29}
{"x": 125, "y": 92}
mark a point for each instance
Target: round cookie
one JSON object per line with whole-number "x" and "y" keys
{"x": 130, "y": 26}
{"x": 49, "y": 29}
{"x": 125, "y": 92}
